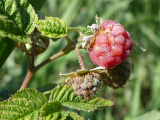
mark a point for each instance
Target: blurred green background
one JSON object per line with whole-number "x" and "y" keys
{"x": 141, "y": 18}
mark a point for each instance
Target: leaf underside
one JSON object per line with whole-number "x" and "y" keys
{"x": 52, "y": 27}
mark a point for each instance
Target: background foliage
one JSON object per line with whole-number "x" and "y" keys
{"x": 140, "y": 18}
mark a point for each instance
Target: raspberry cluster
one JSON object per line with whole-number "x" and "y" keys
{"x": 111, "y": 45}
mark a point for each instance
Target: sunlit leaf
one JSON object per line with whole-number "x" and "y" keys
{"x": 52, "y": 111}
{"x": 8, "y": 46}
{"x": 25, "y": 104}
{"x": 73, "y": 116}
{"x": 68, "y": 97}
{"x": 18, "y": 15}
{"x": 52, "y": 27}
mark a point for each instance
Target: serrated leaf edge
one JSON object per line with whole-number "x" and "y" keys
{"x": 74, "y": 100}
{"x": 49, "y": 18}
{"x": 7, "y": 102}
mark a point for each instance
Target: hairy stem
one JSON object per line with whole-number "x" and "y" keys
{"x": 32, "y": 69}
{"x": 69, "y": 40}
{"x": 66, "y": 50}
{"x": 80, "y": 58}
{"x": 33, "y": 49}
{"x": 27, "y": 54}
{"x": 27, "y": 79}
{"x": 31, "y": 65}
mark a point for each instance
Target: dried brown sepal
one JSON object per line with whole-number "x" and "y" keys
{"x": 93, "y": 39}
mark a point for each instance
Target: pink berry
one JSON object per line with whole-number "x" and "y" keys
{"x": 120, "y": 40}
{"x": 102, "y": 39}
{"x": 111, "y": 46}
{"x": 117, "y": 49}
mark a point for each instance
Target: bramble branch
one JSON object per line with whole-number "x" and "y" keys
{"x": 32, "y": 69}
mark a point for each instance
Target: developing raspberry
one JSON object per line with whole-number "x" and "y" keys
{"x": 118, "y": 76}
{"x": 86, "y": 85}
{"x": 111, "y": 46}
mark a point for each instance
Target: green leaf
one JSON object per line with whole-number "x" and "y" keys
{"x": 1, "y": 99}
{"x": 136, "y": 50}
{"x": 73, "y": 116}
{"x": 18, "y": 15}
{"x": 25, "y": 104}
{"x": 37, "y": 4}
{"x": 51, "y": 107}
{"x": 6, "y": 25}
{"x": 6, "y": 31}
{"x": 46, "y": 89}
{"x": 52, "y": 27}
{"x": 61, "y": 115}
{"x": 6, "y": 46}
{"x": 68, "y": 97}
{"x": 52, "y": 111}
{"x": 83, "y": 31}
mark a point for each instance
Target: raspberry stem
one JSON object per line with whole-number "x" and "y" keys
{"x": 27, "y": 54}
{"x": 33, "y": 49}
{"x": 68, "y": 39}
{"x": 27, "y": 79}
{"x": 32, "y": 69}
{"x": 80, "y": 58}
{"x": 70, "y": 46}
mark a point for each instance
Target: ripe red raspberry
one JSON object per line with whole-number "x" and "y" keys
{"x": 111, "y": 45}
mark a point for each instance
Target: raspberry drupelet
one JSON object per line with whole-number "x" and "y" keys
{"x": 111, "y": 45}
